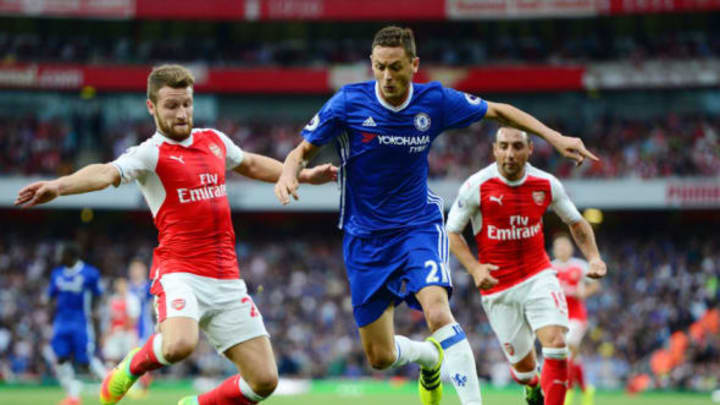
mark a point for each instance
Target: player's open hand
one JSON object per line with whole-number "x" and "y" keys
{"x": 573, "y": 148}
{"x": 482, "y": 277}
{"x": 285, "y": 187}
{"x": 319, "y": 174}
{"x": 37, "y": 193}
{"x": 597, "y": 268}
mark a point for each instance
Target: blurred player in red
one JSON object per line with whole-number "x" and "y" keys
{"x": 521, "y": 294}
{"x": 124, "y": 310}
{"x": 181, "y": 173}
{"x": 572, "y": 273}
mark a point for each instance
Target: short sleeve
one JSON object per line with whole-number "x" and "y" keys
{"x": 464, "y": 207}
{"x": 233, "y": 154}
{"x": 462, "y": 109}
{"x": 137, "y": 161}
{"x": 328, "y": 122}
{"x": 561, "y": 204}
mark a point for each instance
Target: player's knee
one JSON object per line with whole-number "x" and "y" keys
{"x": 178, "y": 349}
{"x": 556, "y": 340}
{"x": 264, "y": 384}
{"x": 380, "y": 358}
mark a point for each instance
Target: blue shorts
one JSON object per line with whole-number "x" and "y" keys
{"x": 391, "y": 268}
{"x": 73, "y": 343}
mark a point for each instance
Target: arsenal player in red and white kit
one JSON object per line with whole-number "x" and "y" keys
{"x": 505, "y": 203}
{"x": 572, "y": 273}
{"x": 196, "y": 281}
{"x": 124, "y": 309}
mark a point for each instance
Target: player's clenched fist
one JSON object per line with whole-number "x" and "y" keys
{"x": 482, "y": 277}
{"x": 597, "y": 269}
{"x": 37, "y": 193}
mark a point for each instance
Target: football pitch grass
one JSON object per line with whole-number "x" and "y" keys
{"x": 344, "y": 393}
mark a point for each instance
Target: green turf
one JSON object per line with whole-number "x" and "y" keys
{"x": 345, "y": 395}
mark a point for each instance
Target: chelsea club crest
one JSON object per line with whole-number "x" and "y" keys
{"x": 422, "y": 122}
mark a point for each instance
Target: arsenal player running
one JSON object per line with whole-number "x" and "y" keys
{"x": 520, "y": 293}
{"x": 572, "y": 273}
{"x": 181, "y": 173}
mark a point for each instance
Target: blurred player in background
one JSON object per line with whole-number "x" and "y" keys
{"x": 395, "y": 245}
{"x": 572, "y": 273}
{"x": 124, "y": 310}
{"x": 73, "y": 285}
{"x": 139, "y": 286}
{"x": 521, "y": 294}
{"x": 181, "y": 173}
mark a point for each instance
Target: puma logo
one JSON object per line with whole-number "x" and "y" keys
{"x": 180, "y": 159}
{"x": 497, "y": 199}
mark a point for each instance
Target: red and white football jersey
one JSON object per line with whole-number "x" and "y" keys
{"x": 572, "y": 274}
{"x": 184, "y": 185}
{"x": 123, "y": 310}
{"x": 506, "y": 219}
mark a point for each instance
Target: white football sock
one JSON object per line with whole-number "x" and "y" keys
{"x": 411, "y": 351}
{"x": 66, "y": 377}
{"x": 97, "y": 368}
{"x": 459, "y": 363}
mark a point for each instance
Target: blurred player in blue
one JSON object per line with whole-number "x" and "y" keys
{"x": 139, "y": 286}
{"x": 395, "y": 246}
{"x": 73, "y": 285}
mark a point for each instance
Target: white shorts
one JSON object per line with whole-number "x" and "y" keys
{"x": 516, "y": 313}
{"x": 576, "y": 331}
{"x": 223, "y": 308}
{"x": 118, "y": 344}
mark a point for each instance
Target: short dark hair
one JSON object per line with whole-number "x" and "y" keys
{"x": 175, "y": 76}
{"x": 393, "y": 36}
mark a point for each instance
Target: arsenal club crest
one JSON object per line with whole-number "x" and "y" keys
{"x": 215, "y": 150}
{"x": 178, "y": 304}
{"x": 538, "y": 197}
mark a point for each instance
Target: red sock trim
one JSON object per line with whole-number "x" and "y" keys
{"x": 554, "y": 380}
{"x": 145, "y": 360}
{"x": 227, "y": 393}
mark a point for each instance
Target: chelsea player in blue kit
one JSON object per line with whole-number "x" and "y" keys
{"x": 73, "y": 285}
{"x": 395, "y": 246}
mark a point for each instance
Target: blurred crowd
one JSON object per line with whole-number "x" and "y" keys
{"x": 297, "y": 44}
{"x": 656, "y": 285}
{"x": 673, "y": 145}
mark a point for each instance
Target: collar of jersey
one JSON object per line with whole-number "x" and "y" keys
{"x": 162, "y": 138}
{"x": 514, "y": 183}
{"x": 74, "y": 269}
{"x": 392, "y": 108}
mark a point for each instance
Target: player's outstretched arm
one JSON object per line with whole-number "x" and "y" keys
{"x": 90, "y": 178}
{"x": 584, "y": 236}
{"x": 295, "y": 162}
{"x": 480, "y": 272}
{"x": 267, "y": 169}
{"x": 570, "y": 147}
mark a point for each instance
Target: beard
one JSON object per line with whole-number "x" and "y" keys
{"x": 175, "y": 132}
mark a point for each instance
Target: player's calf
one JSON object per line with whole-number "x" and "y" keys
{"x": 380, "y": 356}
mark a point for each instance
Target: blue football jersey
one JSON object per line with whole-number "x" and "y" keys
{"x": 145, "y": 322}
{"x": 383, "y": 151}
{"x": 73, "y": 288}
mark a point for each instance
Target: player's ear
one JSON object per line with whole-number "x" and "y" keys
{"x": 415, "y": 64}
{"x": 150, "y": 106}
